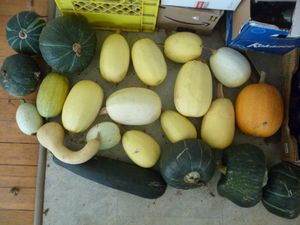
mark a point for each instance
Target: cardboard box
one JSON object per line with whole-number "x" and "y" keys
{"x": 207, "y": 4}
{"x": 289, "y": 147}
{"x": 176, "y": 18}
{"x": 245, "y": 33}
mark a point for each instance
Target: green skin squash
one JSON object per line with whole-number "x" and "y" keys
{"x": 187, "y": 164}
{"x": 68, "y": 44}
{"x": 23, "y": 31}
{"x": 19, "y": 75}
{"x": 243, "y": 174}
{"x": 281, "y": 195}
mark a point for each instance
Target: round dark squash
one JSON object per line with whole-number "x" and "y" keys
{"x": 243, "y": 174}
{"x": 281, "y": 195}
{"x": 23, "y": 31}
{"x": 68, "y": 44}
{"x": 19, "y": 75}
{"x": 187, "y": 164}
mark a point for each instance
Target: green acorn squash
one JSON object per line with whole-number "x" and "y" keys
{"x": 68, "y": 44}
{"x": 244, "y": 172}
{"x": 187, "y": 164}
{"x": 23, "y": 31}
{"x": 19, "y": 75}
{"x": 281, "y": 195}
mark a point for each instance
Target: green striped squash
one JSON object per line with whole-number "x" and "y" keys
{"x": 281, "y": 195}
{"x": 52, "y": 95}
{"x": 68, "y": 44}
{"x": 23, "y": 31}
{"x": 243, "y": 174}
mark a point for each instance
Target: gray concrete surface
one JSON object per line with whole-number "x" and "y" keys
{"x": 73, "y": 200}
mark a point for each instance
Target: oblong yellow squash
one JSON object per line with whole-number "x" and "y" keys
{"x": 52, "y": 95}
{"x": 141, "y": 148}
{"x": 218, "y": 125}
{"x": 134, "y": 106}
{"x": 193, "y": 89}
{"x": 114, "y": 58}
{"x": 149, "y": 62}
{"x": 182, "y": 47}
{"x": 82, "y": 106}
{"x": 177, "y": 127}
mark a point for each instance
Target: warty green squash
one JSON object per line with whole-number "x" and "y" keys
{"x": 281, "y": 195}
{"x": 187, "y": 164}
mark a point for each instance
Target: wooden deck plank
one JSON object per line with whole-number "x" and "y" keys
{"x": 18, "y": 171}
{"x": 22, "y": 182}
{"x": 18, "y": 154}
{"x": 21, "y": 199}
{"x": 9, "y": 107}
{"x": 11, "y": 7}
{"x": 9, "y": 132}
{"x": 16, "y": 217}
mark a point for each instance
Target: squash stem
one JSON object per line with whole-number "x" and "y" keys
{"x": 22, "y": 101}
{"x": 192, "y": 178}
{"x": 221, "y": 168}
{"x": 262, "y": 76}
{"x": 103, "y": 111}
{"x": 220, "y": 91}
{"x": 77, "y": 49}
{"x": 118, "y": 31}
{"x": 211, "y": 50}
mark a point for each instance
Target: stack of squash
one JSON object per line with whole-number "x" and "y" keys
{"x": 68, "y": 45}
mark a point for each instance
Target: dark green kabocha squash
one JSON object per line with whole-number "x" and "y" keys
{"x": 187, "y": 164}
{"x": 243, "y": 174}
{"x": 281, "y": 195}
{"x": 68, "y": 44}
{"x": 20, "y": 75}
{"x": 23, "y": 32}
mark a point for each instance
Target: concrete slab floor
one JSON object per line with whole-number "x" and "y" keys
{"x": 73, "y": 200}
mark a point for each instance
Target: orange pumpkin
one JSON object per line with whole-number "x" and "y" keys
{"x": 259, "y": 110}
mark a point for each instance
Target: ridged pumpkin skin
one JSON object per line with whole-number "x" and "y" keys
{"x": 141, "y": 148}
{"x": 193, "y": 89}
{"x": 259, "y": 110}
{"x": 52, "y": 95}
{"x": 182, "y": 47}
{"x": 187, "y": 164}
{"x": 19, "y": 75}
{"x": 149, "y": 62}
{"x": 82, "y": 106}
{"x": 245, "y": 175}
{"x": 23, "y": 32}
{"x": 68, "y": 44}
{"x": 114, "y": 58}
{"x": 218, "y": 124}
{"x": 281, "y": 195}
{"x": 177, "y": 127}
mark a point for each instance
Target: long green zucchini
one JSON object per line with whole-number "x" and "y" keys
{"x": 119, "y": 175}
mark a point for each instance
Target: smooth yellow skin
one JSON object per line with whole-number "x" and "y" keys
{"x": 177, "y": 127}
{"x": 51, "y": 136}
{"x": 182, "y": 47}
{"x": 52, "y": 95}
{"x": 218, "y": 125}
{"x": 114, "y": 58}
{"x": 193, "y": 89}
{"x": 148, "y": 62}
{"x": 82, "y": 106}
{"x": 141, "y": 148}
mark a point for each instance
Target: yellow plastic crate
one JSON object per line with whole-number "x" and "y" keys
{"x": 126, "y": 15}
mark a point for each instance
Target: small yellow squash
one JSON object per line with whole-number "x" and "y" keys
{"x": 82, "y": 106}
{"x": 141, "y": 148}
{"x": 114, "y": 58}
{"x": 177, "y": 127}
{"x": 52, "y": 95}
{"x": 149, "y": 62}
{"x": 51, "y": 136}
{"x": 134, "y": 106}
{"x": 182, "y": 47}
{"x": 218, "y": 125}
{"x": 193, "y": 89}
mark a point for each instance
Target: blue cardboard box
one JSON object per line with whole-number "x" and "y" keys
{"x": 246, "y": 34}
